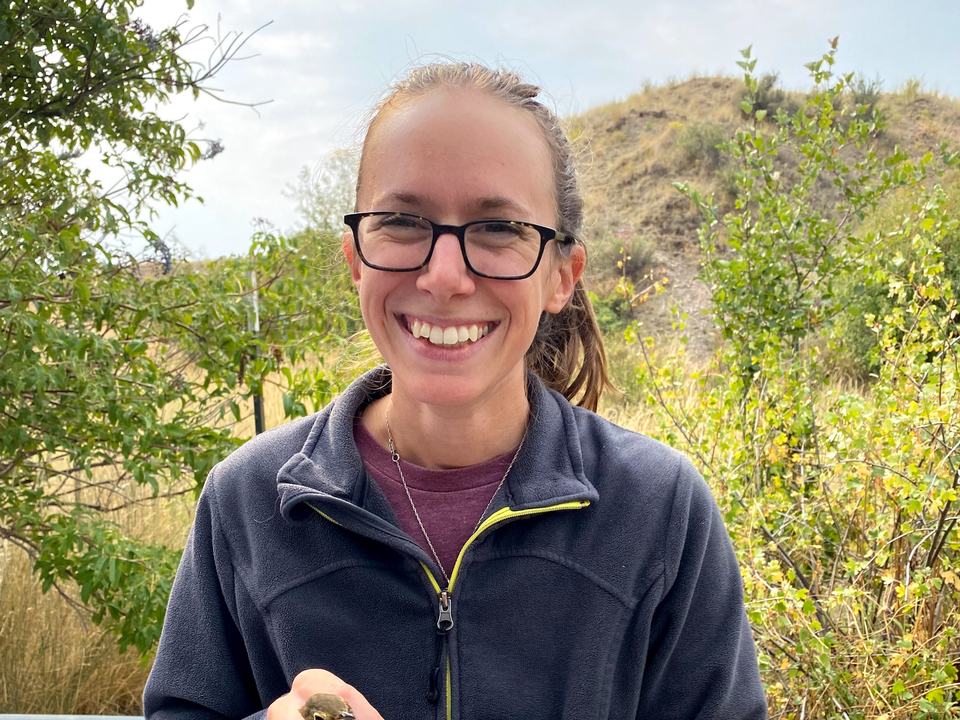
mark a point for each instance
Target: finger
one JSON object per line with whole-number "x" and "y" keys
{"x": 358, "y": 703}
{"x": 305, "y": 684}
{"x": 310, "y": 682}
{"x": 285, "y": 707}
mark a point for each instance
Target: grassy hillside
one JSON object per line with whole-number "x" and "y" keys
{"x": 634, "y": 150}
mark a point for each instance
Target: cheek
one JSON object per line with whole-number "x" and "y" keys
{"x": 528, "y": 305}
{"x": 372, "y": 289}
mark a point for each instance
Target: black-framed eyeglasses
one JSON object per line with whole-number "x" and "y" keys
{"x": 492, "y": 248}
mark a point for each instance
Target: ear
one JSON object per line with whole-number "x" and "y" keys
{"x": 353, "y": 260}
{"x": 569, "y": 270}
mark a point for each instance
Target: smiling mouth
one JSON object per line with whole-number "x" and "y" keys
{"x": 449, "y": 336}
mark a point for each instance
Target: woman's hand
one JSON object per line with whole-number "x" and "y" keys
{"x": 311, "y": 682}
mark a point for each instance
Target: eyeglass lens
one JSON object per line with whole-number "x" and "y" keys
{"x": 401, "y": 242}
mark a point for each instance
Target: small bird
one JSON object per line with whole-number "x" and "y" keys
{"x": 326, "y": 707}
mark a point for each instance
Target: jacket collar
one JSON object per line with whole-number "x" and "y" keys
{"x": 548, "y": 470}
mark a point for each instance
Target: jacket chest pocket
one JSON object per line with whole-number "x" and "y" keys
{"x": 365, "y": 624}
{"x": 537, "y": 640}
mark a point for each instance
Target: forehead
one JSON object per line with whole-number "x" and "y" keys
{"x": 455, "y": 151}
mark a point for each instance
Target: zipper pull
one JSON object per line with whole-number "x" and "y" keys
{"x": 445, "y": 621}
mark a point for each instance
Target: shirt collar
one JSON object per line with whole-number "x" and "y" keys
{"x": 548, "y": 470}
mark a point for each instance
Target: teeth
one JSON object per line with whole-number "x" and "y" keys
{"x": 452, "y": 335}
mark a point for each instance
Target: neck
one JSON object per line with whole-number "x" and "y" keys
{"x": 440, "y": 437}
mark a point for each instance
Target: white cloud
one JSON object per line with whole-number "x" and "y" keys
{"x": 324, "y": 64}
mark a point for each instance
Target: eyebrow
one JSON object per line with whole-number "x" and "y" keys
{"x": 486, "y": 204}
{"x": 402, "y": 197}
{"x": 499, "y": 202}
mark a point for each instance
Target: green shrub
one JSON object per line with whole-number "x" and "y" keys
{"x": 620, "y": 254}
{"x": 910, "y": 89}
{"x": 866, "y": 93}
{"x": 841, "y": 501}
{"x": 115, "y": 372}
{"x": 613, "y": 311}
{"x": 855, "y": 343}
{"x": 699, "y": 144}
{"x": 769, "y": 96}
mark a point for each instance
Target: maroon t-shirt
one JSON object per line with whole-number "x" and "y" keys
{"x": 450, "y": 502}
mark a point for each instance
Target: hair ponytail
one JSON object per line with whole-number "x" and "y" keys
{"x": 567, "y": 352}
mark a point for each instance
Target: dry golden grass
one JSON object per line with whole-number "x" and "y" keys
{"x": 631, "y": 152}
{"x": 52, "y": 659}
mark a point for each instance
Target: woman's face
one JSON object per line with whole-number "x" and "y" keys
{"x": 453, "y": 156}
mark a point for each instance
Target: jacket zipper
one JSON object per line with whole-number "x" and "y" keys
{"x": 445, "y": 598}
{"x": 445, "y": 595}
{"x": 444, "y": 623}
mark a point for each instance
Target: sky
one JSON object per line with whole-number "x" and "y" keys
{"x": 319, "y": 66}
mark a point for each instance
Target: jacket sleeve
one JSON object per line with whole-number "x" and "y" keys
{"x": 201, "y": 671}
{"x": 702, "y": 661}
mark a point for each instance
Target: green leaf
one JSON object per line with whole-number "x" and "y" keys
{"x": 135, "y": 347}
{"x": 82, "y": 290}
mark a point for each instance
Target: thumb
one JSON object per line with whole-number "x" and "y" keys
{"x": 311, "y": 682}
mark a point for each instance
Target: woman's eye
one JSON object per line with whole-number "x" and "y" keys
{"x": 398, "y": 221}
{"x": 500, "y": 228}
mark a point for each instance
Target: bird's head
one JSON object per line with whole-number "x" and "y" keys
{"x": 326, "y": 707}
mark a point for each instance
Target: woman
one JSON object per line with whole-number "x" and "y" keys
{"x": 451, "y": 537}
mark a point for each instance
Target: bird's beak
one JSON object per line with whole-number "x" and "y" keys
{"x": 347, "y": 715}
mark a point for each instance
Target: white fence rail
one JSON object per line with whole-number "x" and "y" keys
{"x": 16, "y": 716}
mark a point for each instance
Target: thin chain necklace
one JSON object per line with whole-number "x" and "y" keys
{"x": 396, "y": 461}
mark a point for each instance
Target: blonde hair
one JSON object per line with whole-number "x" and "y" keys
{"x": 567, "y": 351}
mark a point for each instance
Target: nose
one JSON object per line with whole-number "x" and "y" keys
{"x": 446, "y": 275}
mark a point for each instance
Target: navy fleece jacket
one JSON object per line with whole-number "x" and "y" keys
{"x": 601, "y": 585}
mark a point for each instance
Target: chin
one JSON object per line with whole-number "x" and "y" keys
{"x": 443, "y": 390}
{"x": 463, "y": 389}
